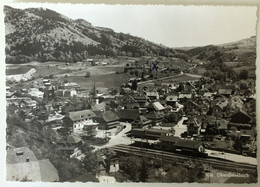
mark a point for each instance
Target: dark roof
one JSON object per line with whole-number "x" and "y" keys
{"x": 142, "y": 120}
{"x": 80, "y": 115}
{"x": 172, "y": 139}
{"x": 154, "y": 115}
{"x": 100, "y": 106}
{"x": 240, "y": 117}
{"x": 127, "y": 114}
{"x": 188, "y": 144}
{"x": 109, "y": 116}
{"x": 157, "y": 130}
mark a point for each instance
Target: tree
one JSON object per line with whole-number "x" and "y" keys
{"x": 243, "y": 74}
{"x": 87, "y": 74}
{"x": 90, "y": 162}
{"x": 134, "y": 85}
{"x": 144, "y": 172}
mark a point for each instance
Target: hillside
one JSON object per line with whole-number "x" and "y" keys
{"x": 240, "y": 51}
{"x": 38, "y": 34}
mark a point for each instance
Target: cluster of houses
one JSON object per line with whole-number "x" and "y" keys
{"x": 212, "y": 113}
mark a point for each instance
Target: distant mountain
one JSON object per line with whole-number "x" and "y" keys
{"x": 38, "y": 34}
{"x": 240, "y": 51}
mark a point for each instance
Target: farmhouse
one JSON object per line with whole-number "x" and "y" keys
{"x": 109, "y": 120}
{"x": 22, "y": 73}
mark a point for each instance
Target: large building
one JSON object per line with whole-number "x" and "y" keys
{"x": 77, "y": 120}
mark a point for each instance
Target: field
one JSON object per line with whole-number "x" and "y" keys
{"x": 250, "y": 68}
{"x": 107, "y": 80}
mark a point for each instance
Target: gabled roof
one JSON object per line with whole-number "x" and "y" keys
{"x": 192, "y": 103}
{"x": 154, "y": 115}
{"x": 151, "y": 93}
{"x": 172, "y": 139}
{"x": 40, "y": 170}
{"x": 222, "y": 104}
{"x": 188, "y": 96}
{"x": 81, "y": 115}
{"x": 208, "y": 94}
{"x": 191, "y": 144}
{"x": 127, "y": 114}
{"x": 71, "y": 139}
{"x": 157, "y": 106}
{"x": 109, "y": 116}
{"x": 142, "y": 120}
{"x": 99, "y": 107}
{"x": 240, "y": 117}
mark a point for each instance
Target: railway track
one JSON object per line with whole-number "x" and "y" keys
{"x": 172, "y": 157}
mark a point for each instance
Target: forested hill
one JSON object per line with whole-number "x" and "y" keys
{"x": 38, "y": 34}
{"x": 240, "y": 51}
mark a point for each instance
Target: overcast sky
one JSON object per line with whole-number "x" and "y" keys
{"x": 173, "y": 26}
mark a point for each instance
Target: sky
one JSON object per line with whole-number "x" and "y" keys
{"x": 172, "y": 26}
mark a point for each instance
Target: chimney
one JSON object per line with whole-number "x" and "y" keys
{"x": 27, "y": 159}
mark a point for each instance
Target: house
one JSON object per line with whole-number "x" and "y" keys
{"x": 155, "y": 117}
{"x": 112, "y": 164}
{"x": 77, "y": 120}
{"x": 193, "y": 126}
{"x": 99, "y": 107}
{"x": 22, "y": 165}
{"x": 208, "y": 95}
{"x": 127, "y": 115}
{"x": 168, "y": 142}
{"x": 171, "y": 100}
{"x": 109, "y": 120}
{"x": 190, "y": 106}
{"x": 152, "y": 95}
{"x": 189, "y": 145}
{"x": 156, "y": 106}
{"x": 71, "y": 85}
{"x": 219, "y": 108}
{"x": 69, "y": 144}
{"x": 36, "y": 93}
{"x": 141, "y": 122}
{"x": 154, "y": 133}
{"x": 141, "y": 100}
{"x": 183, "y": 97}
{"x": 28, "y": 104}
{"x": 225, "y": 92}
